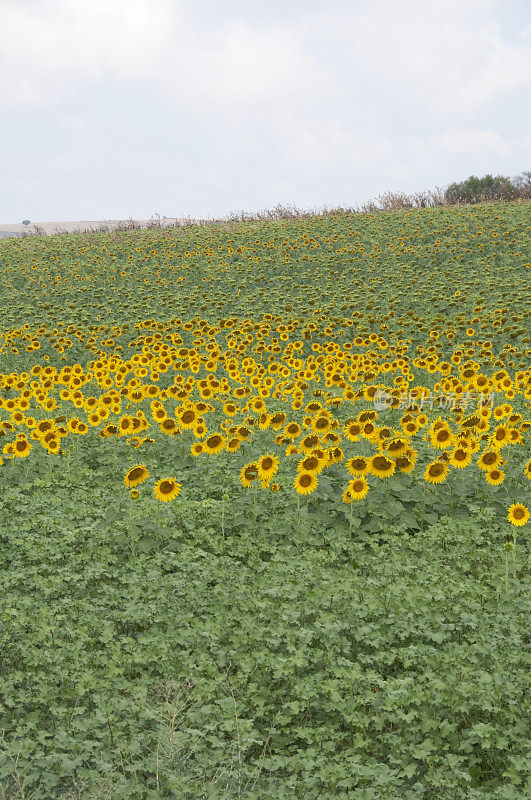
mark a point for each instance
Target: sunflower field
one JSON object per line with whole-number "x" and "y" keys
{"x": 264, "y": 509}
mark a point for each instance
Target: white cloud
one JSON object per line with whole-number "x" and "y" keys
{"x": 49, "y": 47}
{"x": 148, "y": 103}
{"x": 470, "y": 140}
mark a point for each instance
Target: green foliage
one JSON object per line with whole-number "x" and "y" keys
{"x": 288, "y": 657}
{"x": 248, "y": 644}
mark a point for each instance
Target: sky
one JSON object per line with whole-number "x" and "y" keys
{"x": 112, "y": 109}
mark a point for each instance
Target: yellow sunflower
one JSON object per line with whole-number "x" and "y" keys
{"x": 136, "y": 475}
{"x": 518, "y": 514}
{"x": 267, "y": 467}
{"x": 214, "y": 444}
{"x": 494, "y": 477}
{"x": 311, "y": 464}
{"x": 381, "y": 466}
{"x": 22, "y": 448}
{"x": 489, "y": 459}
{"x": 356, "y": 490}
{"x": 358, "y": 466}
{"x": 248, "y": 474}
{"x": 460, "y": 457}
{"x": 406, "y": 462}
{"x": 187, "y": 419}
{"x": 305, "y": 483}
{"x": 166, "y": 489}
{"x": 352, "y": 431}
{"x": 436, "y": 472}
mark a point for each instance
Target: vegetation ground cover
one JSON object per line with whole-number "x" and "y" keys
{"x": 264, "y": 509}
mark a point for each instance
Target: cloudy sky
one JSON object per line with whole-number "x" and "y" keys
{"x": 126, "y": 108}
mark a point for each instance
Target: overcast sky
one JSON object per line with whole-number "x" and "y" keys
{"x": 126, "y": 108}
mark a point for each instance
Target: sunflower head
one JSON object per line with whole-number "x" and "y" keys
{"x": 518, "y": 514}
{"x": 166, "y": 489}
{"x": 136, "y": 475}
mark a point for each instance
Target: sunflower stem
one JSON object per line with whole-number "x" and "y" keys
{"x": 423, "y": 506}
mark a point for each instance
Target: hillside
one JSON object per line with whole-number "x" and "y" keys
{"x": 264, "y": 509}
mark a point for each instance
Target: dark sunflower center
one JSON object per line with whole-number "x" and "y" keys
{"x": 166, "y": 487}
{"x": 435, "y": 470}
{"x": 305, "y": 480}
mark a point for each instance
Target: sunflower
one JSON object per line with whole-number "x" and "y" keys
{"x": 335, "y": 455}
{"x": 274, "y": 487}
{"x": 305, "y": 483}
{"x": 125, "y": 426}
{"x": 352, "y": 431}
{"x": 368, "y": 430}
{"x": 187, "y": 418}
{"x": 7, "y": 450}
{"x": 166, "y": 489}
{"x": 460, "y": 457}
{"x": 249, "y": 473}
{"x": 267, "y": 467}
{"x": 518, "y": 514}
{"x": 263, "y": 421}
{"x": 442, "y": 438}
{"x": 406, "y": 462}
{"x": 292, "y": 430}
{"x": 489, "y": 459}
{"x": 200, "y": 430}
{"x": 22, "y": 448}
{"x": 397, "y": 446}
{"x": 311, "y": 464}
{"x": 356, "y": 490}
{"x": 277, "y": 420}
{"x": 196, "y": 449}
{"x": 381, "y": 466}
{"x": 527, "y": 469}
{"x": 136, "y": 476}
{"x": 500, "y": 437}
{"x": 494, "y": 477}
{"x": 214, "y": 444}
{"x": 52, "y": 446}
{"x": 321, "y": 425}
{"x": 134, "y": 494}
{"x": 436, "y": 472}
{"x": 45, "y": 425}
{"x": 308, "y": 444}
{"x": 168, "y": 426}
{"x": 233, "y": 444}
{"x": 358, "y": 466}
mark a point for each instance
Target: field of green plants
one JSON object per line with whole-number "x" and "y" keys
{"x": 264, "y": 509}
